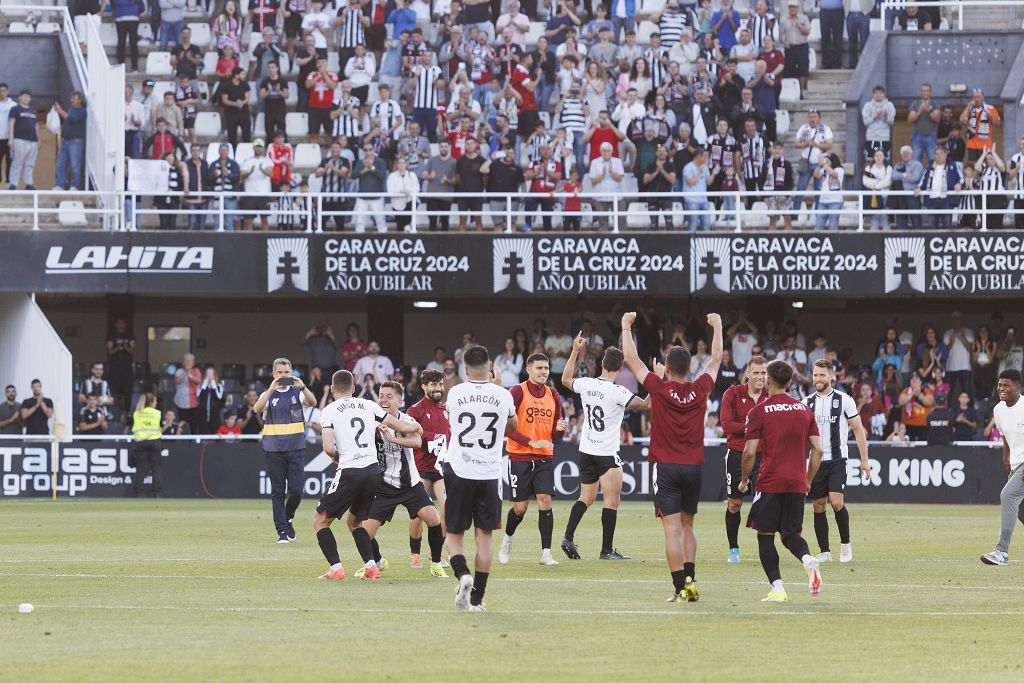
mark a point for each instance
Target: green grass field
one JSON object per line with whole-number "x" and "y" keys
{"x": 199, "y": 590}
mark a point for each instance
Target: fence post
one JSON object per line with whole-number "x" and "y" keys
{"x": 740, "y": 207}
{"x": 35, "y": 210}
{"x": 860, "y": 213}
{"x": 615, "y": 213}
{"x": 412, "y": 213}
{"x": 984, "y": 212}
{"x": 960, "y": 16}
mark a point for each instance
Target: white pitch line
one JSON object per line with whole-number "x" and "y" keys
{"x": 204, "y": 577}
{"x": 680, "y": 613}
{"x": 968, "y": 560}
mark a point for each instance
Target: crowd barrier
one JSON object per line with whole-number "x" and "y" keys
{"x": 225, "y": 468}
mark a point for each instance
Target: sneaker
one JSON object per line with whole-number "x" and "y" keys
{"x": 444, "y": 563}
{"x": 547, "y": 560}
{"x": 477, "y": 608}
{"x": 814, "y": 582}
{"x": 72, "y": 189}
{"x": 570, "y": 549}
{"x": 334, "y": 575}
{"x": 734, "y": 556}
{"x": 613, "y": 554}
{"x": 57, "y": 188}
{"x": 437, "y": 571}
{"x": 845, "y": 552}
{"x": 370, "y": 572}
{"x": 383, "y": 564}
{"x": 291, "y": 531}
{"x": 414, "y": 561}
{"x": 30, "y": 188}
{"x": 505, "y": 551}
{"x": 462, "y": 592}
{"x": 690, "y": 590}
{"x": 12, "y": 187}
{"x": 824, "y": 557}
{"x": 996, "y": 557}
{"x": 282, "y": 537}
{"x": 776, "y": 596}
{"x": 677, "y": 597}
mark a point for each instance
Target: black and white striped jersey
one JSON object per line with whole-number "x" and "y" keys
{"x": 397, "y": 465}
{"x": 833, "y": 413}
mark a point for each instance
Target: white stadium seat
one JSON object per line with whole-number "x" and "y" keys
{"x": 163, "y": 86}
{"x": 293, "y": 94}
{"x": 790, "y": 91}
{"x": 208, "y": 124}
{"x": 202, "y": 36}
{"x": 159, "y": 64}
{"x": 71, "y": 213}
{"x": 260, "y": 127}
{"x": 48, "y": 27}
{"x": 812, "y": 60}
{"x": 781, "y": 122}
{"x": 20, "y": 27}
{"x": 815, "y": 30}
{"x": 534, "y": 33}
{"x": 210, "y": 60}
{"x": 307, "y": 155}
{"x": 644, "y": 31}
{"x": 244, "y": 151}
{"x": 146, "y": 31}
{"x": 213, "y": 151}
{"x": 296, "y": 124}
{"x": 108, "y": 34}
{"x": 638, "y": 215}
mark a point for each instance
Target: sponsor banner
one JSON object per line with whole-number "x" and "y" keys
{"x": 934, "y": 474}
{"x": 487, "y": 265}
{"x": 781, "y": 263}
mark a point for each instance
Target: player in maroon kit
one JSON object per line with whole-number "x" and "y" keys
{"x": 432, "y": 414}
{"x": 781, "y": 429}
{"x": 677, "y": 446}
{"x": 736, "y": 403}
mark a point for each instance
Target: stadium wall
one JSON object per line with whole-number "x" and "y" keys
{"x": 920, "y": 474}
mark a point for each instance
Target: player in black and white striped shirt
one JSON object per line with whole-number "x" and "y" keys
{"x": 836, "y": 414}
{"x": 400, "y": 481}
{"x": 389, "y": 112}
{"x": 657, "y": 61}
{"x": 95, "y": 385}
{"x": 352, "y": 23}
{"x": 346, "y": 113}
{"x": 1016, "y": 170}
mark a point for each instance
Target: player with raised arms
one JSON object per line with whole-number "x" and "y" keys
{"x": 677, "y": 446}
{"x": 349, "y": 427}
{"x": 604, "y": 404}
{"x": 782, "y": 429}
{"x": 480, "y": 412}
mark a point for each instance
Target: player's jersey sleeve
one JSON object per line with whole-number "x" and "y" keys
{"x": 654, "y": 384}
{"x": 704, "y": 384}
{"x": 623, "y": 395}
{"x": 997, "y": 415}
{"x": 378, "y": 413}
{"x": 755, "y": 423}
{"x": 507, "y": 404}
{"x": 849, "y": 407}
{"x": 579, "y": 385}
{"x": 328, "y": 416}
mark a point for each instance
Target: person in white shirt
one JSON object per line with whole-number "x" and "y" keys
{"x": 360, "y": 70}
{"x": 813, "y": 139}
{"x": 745, "y": 54}
{"x": 256, "y": 173}
{"x": 830, "y": 174}
{"x": 318, "y": 24}
{"x": 403, "y": 187}
{"x": 349, "y": 431}
{"x": 606, "y": 174}
{"x": 959, "y": 340}
{"x": 557, "y": 346}
{"x": 629, "y": 111}
{"x": 685, "y": 52}
{"x": 604, "y": 405}
{"x": 480, "y": 413}
{"x": 373, "y": 363}
{"x": 517, "y": 21}
{"x": 1009, "y": 418}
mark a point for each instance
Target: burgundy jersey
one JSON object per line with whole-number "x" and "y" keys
{"x": 433, "y": 417}
{"x": 736, "y": 403}
{"x": 783, "y": 425}
{"x": 677, "y": 418}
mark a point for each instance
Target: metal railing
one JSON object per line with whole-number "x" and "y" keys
{"x": 619, "y": 212}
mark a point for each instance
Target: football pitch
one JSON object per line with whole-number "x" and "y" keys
{"x": 200, "y": 590}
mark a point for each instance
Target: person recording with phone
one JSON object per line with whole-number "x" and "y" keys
{"x": 284, "y": 441}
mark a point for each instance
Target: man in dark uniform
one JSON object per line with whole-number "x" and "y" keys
{"x": 432, "y": 414}
{"x": 120, "y": 373}
{"x": 284, "y": 441}
{"x": 782, "y": 429}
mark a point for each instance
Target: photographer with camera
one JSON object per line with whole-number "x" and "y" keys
{"x": 284, "y": 441}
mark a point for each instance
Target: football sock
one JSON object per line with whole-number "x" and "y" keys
{"x": 796, "y": 544}
{"x": 363, "y": 545}
{"x": 479, "y": 586}
{"x": 821, "y": 530}
{"x": 459, "y": 566}
{"x": 678, "y": 579}
{"x": 769, "y": 557}
{"x": 415, "y": 545}
{"x": 435, "y": 539}
{"x": 546, "y": 525}
{"x": 690, "y": 569}
{"x": 843, "y": 522}
{"x": 376, "y": 549}
{"x": 512, "y": 522}
{"x": 732, "y": 528}
{"x": 328, "y": 546}
{"x": 608, "y": 518}
{"x": 575, "y": 516}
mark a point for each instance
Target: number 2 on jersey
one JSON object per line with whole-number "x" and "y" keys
{"x": 359, "y": 431}
{"x": 469, "y": 422}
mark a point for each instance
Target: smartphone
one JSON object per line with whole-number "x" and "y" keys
{"x": 286, "y": 381}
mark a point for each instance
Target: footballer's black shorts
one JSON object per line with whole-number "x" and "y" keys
{"x": 593, "y": 467}
{"x": 830, "y": 478}
{"x": 471, "y": 502}
{"x": 734, "y": 474}
{"x": 676, "y": 488}
{"x": 531, "y": 478}
{"x": 389, "y": 498}
{"x": 781, "y": 513}
{"x": 351, "y": 490}
{"x": 431, "y": 475}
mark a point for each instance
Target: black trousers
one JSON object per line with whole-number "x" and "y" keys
{"x": 438, "y": 205}
{"x": 235, "y": 119}
{"x": 285, "y": 467}
{"x": 5, "y": 160}
{"x": 147, "y": 457}
{"x": 128, "y": 32}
